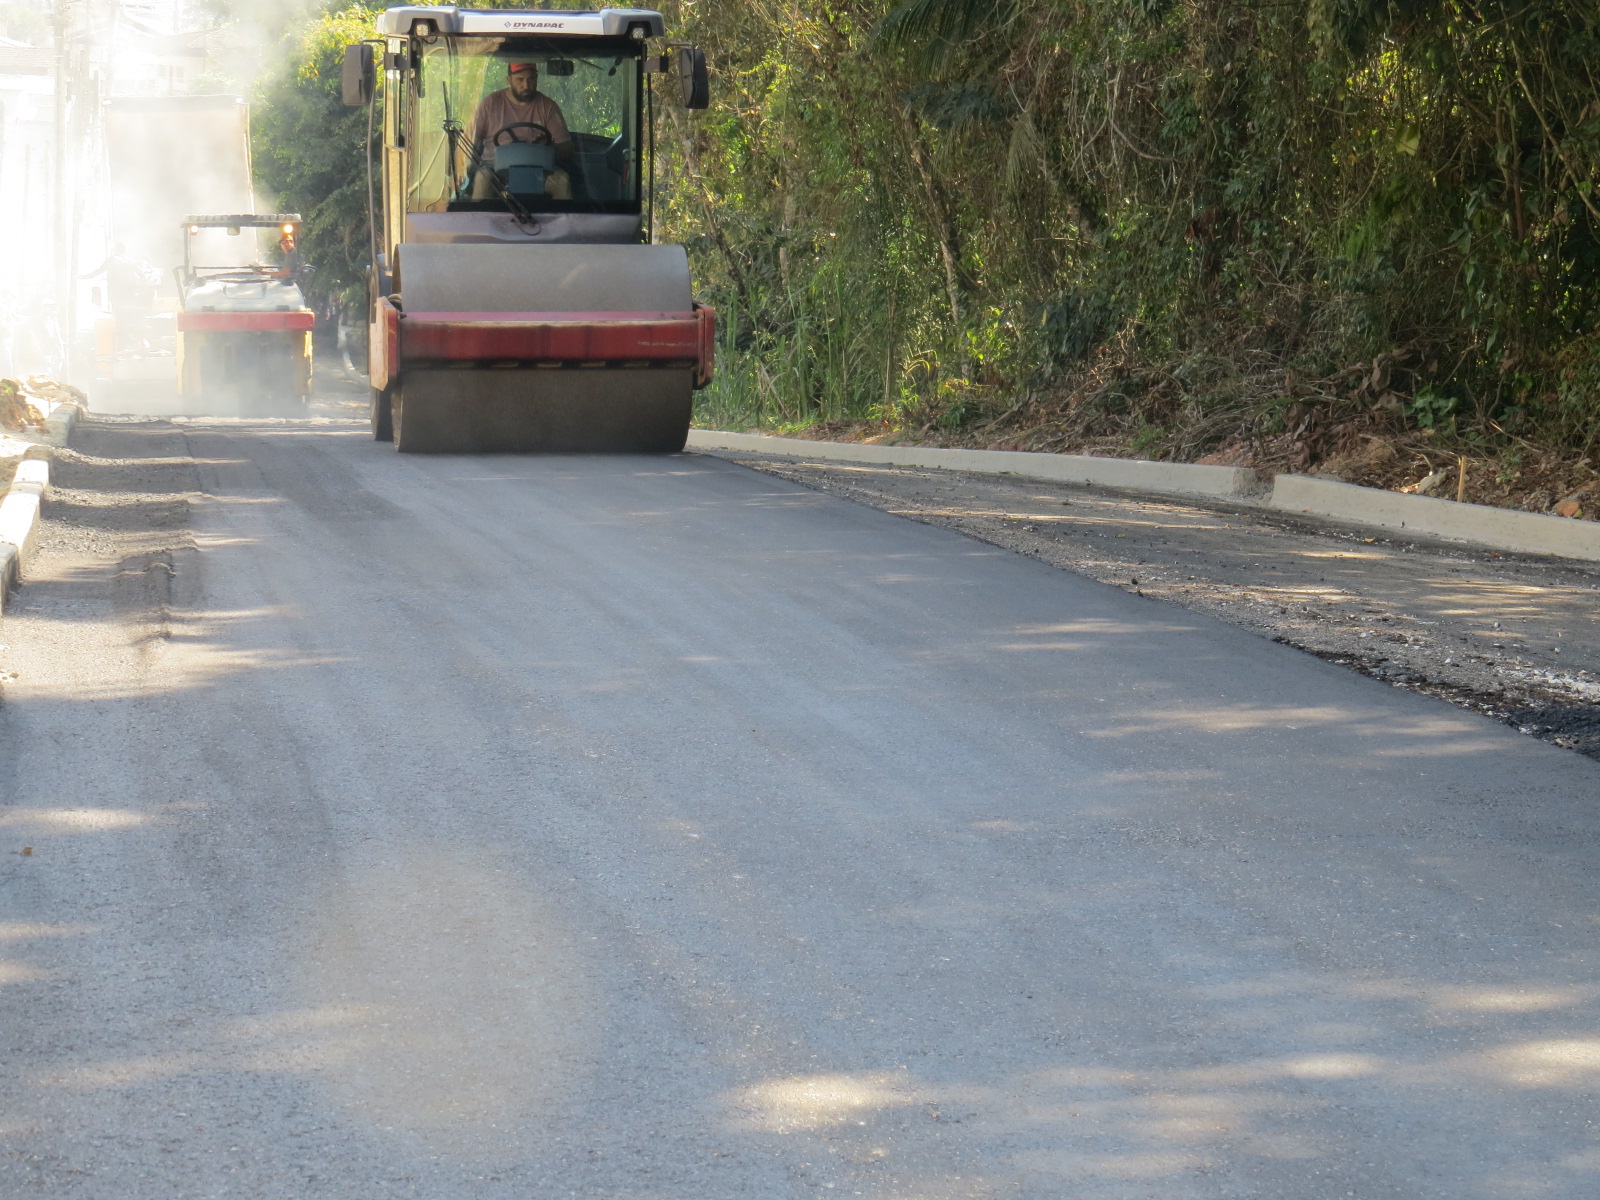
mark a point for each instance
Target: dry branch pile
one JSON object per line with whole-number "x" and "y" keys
{"x": 25, "y": 405}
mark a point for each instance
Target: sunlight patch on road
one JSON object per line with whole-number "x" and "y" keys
{"x": 15, "y": 972}
{"x": 233, "y": 499}
{"x": 802, "y": 1103}
{"x": 1447, "y": 735}
{"x": 136, "y": 1072}
{"x": 72, "y": 820}
{"x": 1110, "y": 1124}
{"x": 439, "y": 997}
{"x": 1510, "y": 1000}
{"x": 1332, "y": 1066}
{"x": 443, "y": 997}
{"x": 1562, "y": 1062}
{"x": 1452, "y": 744}
{"x": 1099, "y": 626}
{"x": 1240, "y": 718}
{"x": 187, "y": 659}
{"x": 28, "y": 931}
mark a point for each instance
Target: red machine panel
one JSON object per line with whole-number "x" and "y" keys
{"x": 615, "y": 338}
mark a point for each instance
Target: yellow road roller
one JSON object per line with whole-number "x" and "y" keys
{"x": 518, "y": 302}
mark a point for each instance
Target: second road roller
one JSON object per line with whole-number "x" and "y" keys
{"x": 518, "y": 301}
{"x": 244, "y": 331}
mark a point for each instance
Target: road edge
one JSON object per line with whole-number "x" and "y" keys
{"x": 1307, "y": 495}
{"x": 21, "y": 505}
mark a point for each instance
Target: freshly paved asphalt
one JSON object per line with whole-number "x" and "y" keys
{"x": 519, "y": 827}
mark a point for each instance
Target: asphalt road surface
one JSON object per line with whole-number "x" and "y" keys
{"x": 383, "y": 826}
{"x": 1510, "y": 635}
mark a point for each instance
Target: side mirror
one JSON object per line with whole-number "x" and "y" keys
{"x": 693, "y": 78}
{"x": 360, "y": 79}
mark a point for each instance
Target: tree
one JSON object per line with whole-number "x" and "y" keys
{"x": 310, "y": 150}
{"x": 1145, "y": 221}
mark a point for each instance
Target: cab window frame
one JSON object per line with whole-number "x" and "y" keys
{"x": 424, "y": 191}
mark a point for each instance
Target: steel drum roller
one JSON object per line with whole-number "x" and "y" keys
{"x": 476, "y": 277}
{"x": 466, "y": 407}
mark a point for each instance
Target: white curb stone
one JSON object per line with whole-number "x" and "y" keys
{"x": 1137, "y": 474}
{"x": 1495, "y": 528}
{"x": 1501, "y": 528}
{"x": 19, "y": 518}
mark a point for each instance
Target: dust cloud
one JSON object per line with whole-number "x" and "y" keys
{"x": 118, "y": 119}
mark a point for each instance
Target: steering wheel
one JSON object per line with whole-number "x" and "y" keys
{"x": 541, "y": 134}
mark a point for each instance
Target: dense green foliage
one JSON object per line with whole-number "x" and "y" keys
{"x": 309, "y": 148}
{"x": 1161, "y": 224}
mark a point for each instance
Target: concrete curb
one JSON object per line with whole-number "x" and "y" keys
{"x": 1136, "y": 474}
{"x": 1501, "y": 528}
{"x": 19, "y": 519}
{"x": 1479, "y": 524}
{"x": 58, "y": 425}
{"x": 19, "y": 508}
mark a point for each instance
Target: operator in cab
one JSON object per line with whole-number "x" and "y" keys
{"x": 290, "y": 264}
{"x": 521, "y": 112}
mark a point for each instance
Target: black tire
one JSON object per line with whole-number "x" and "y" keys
{"x": 382, "y": 413}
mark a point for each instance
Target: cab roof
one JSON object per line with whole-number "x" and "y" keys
{"x": 448, "y": 19}
{"x": 243, "y": 220}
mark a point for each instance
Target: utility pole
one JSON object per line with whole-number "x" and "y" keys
{"x": 60, "y": 211}
{"x": 77, "y": 96}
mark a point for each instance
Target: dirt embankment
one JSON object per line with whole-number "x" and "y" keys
{"x": 1513, "y": 637}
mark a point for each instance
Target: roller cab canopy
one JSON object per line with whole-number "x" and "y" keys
{"x": 448, "y": 19}
{"x": 231, "y": 264}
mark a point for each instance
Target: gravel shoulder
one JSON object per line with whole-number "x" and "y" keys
{"x": 1509, "y": 636}
{"x": 116, "y": 526}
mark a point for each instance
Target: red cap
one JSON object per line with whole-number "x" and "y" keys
{"x": 513, "y": 68}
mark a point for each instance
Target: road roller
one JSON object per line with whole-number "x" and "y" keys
{"x": 244, "y": 331}
{"x": 519, "y": 301}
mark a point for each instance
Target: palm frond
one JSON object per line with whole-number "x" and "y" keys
{"x": 933, "y": 30}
